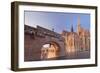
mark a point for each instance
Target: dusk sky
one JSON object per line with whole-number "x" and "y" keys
{"x": 58, "y": 21}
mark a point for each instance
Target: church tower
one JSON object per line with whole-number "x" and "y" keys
{"x": 78, "y": 26}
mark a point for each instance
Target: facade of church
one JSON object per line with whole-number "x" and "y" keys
{"x": 77, "y": 41}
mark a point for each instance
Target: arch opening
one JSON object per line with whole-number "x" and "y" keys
{"x": 50, "y": 51}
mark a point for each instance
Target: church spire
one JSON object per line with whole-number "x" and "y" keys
{"x": 71, "y": 25}
{"x": 78, "y": 21}
{"x": 78, "y": 25}
{"x": 71, "y": 28}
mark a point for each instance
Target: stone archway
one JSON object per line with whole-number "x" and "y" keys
{"x": 34, "y": 40}
{"x": 50, "y": 51}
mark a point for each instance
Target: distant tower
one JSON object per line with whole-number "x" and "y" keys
{"x": 78, "y": 26}
{"x": 72, "y": 28}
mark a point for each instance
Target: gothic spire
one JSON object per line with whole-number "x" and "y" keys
{"x": 71, "y": 25}
{"x": 78, "y": 25}
{"x": 78, "y": 21}
{"x": 71, "y": 28}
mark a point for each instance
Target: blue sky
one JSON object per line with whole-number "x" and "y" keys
{"x": 58, "y": 21}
